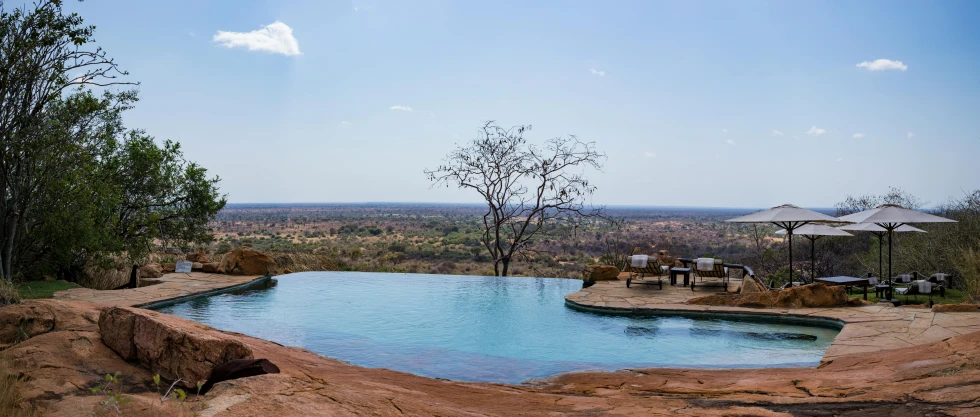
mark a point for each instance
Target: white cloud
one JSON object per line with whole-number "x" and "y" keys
{"x": 649, "y": 155}
{"x": 911, "y": 134}
{"x": 840, "y": 159}
{"x": 730, "y": 142}
{"x": 882, "y": 65}
{"x": 191, "y": 33}
{"x": 815, "y": 131}
{"x": 276, "y": 38}
{"x": 857, "y": 135}
{"x": 400, "y": 107}
{"x": 597, "y": 72}
{"x": 777, "y": 132}
{"x": 724, "y": 130}
{"x": 345, "y": 123}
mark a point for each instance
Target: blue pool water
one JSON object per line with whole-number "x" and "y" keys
{"x": 488, "y": 329}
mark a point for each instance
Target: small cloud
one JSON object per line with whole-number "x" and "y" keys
{"x": 276, "y": 38}
{"x": 597, "y": 72}
{"x": 882, "y": 65}
{"x": 730, "y": 142}
{"x": 857, "y": 135}
{"x": 724, "y": 130}
{"x": 777, "y": 132}
{"x": 400, "y": 107}
{"x": 911, "y": 134}
{"x": 345, "y": 123}
{"x": 432, "y": 115}
{"x": 649, "y": 155}
{"x": 815, "y": 131}
{"x": 840, "y": 159}
{"x": 191, "y": 33}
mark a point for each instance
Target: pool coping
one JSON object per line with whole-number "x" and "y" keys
{"x": 153, "y": 305}
{"x": 751, "y": 316}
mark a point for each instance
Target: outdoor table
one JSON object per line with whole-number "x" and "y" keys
{"x": 674, "y": 272}
{"x": 847, "y": 281}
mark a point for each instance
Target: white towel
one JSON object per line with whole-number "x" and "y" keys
{"x": 941, "y": 278}
{"x": 904, "y": 278}
{"x": 639, "y": 261}
{"x": 925, "y": 287}
{"x": 873, "y": 281}
{"x": 706, "y": 264}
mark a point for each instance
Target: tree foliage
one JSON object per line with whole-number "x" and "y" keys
{"x": 76, "y": 184}
{"x": 527, "y": 188}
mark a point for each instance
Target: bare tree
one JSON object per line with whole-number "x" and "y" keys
{"x": 528, "y": 189}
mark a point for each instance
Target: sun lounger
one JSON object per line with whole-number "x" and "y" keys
{"x": 710, "y": 268}
{"x": 639, "y": 266}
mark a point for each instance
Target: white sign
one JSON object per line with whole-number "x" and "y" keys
{"x": 184, "y": 266}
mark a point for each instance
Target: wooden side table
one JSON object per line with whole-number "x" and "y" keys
{"x": 674, "y": 272}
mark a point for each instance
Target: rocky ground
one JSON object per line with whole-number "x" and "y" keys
{"x": 58, "y": 345}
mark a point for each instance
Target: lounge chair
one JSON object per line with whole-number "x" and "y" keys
{"x": 717, "y": 270}
{"x": 644, "y": 267}
{"x": 917, "y": 287}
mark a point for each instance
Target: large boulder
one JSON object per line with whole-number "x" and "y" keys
{"x": 751, "y": 285}
{"x": 198, "y": 256}
{"x": 105, "y": 274}
{"x": 248, "y": 261}
{"x": 153, "y": 270}
{"x": 239, "y": 368}
{"x": 173, "y": 347}
{"x": 212, "y": 267}
{"x": 197, "y": 266}
{"x": 804, "y": 296}
{"x": 169, "y": 267}
{"x": 600, "y": 273}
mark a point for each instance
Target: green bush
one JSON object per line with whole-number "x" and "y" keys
{"x": 969, "y": 270}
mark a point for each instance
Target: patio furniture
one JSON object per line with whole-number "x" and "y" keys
{"x": 917, "y": 287}
{"x": 717, "y": 270}
{"x": 846, "y": 281}
{"x": 943, "y": 281}
{"x": 639, "y": 266}
{"x": 686, "y": 272}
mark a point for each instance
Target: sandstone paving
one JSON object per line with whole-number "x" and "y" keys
{"x": 868, "y": 328}
{"x": 172, "y": 285}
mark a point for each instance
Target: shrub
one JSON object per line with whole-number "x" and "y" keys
{"x": 8, "y": 293}
{"x": 11, "y": 403}
{"x": 969, "y": 269}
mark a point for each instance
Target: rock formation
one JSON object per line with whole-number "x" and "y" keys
{"x": 955, "y": 308}
{"x": 600, "y": 273}
{"x": 247, "y": 261}
{"x": 811, "y": 295}
{"x": 238, "y": 368}
{"x": 151, "y": 270}
{"x": 212, "y": 267}
{"x": 163, "y": 345}
{"x": 200, "y": 255}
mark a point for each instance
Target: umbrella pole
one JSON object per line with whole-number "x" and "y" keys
{"x": 813, "y": 255}
{"x": 890, "y": 264}
{"x": 790, "y": 233}
{"x": 881, "y": 238}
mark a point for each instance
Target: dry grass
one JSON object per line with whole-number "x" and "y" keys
{"x": 11, "y": 402}
{"x": 9, "y": 294}
{"x": 299, "y": 262}
{"x": 969, "y": 269}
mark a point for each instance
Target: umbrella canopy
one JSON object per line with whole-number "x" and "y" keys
{"x": 880, "y": 232}
{"x": 874, "y": 228}
{"x": 788, "y": 217}
{"x": 891, "y": 217}
{"x": 814, "y": 231}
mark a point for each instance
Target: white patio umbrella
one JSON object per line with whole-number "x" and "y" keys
{"x": 813, "y": 232}
{"x": 880, "y": 232}
{"x": 891, "y": 217}
{"x": 789, "y": 217}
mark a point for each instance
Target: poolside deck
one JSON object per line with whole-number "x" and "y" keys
{"x": 866, "y": 329}
{"x": 171, "y": 286}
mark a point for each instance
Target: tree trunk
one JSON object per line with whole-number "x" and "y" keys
{"x": 506, "y": 262}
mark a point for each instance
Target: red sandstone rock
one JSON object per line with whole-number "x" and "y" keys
{"x": 198, "y": 256}
{"x": 600, "y": 273}
{"x": 153, "y": 270}
{"x": 197, "y": 266}
{"x": 247, "y": 261}
{"x": 752, "y": 285}
{"x": 169, "y": 267}
{"x": 212, "y": 267}
{"x": 167, "y": 345}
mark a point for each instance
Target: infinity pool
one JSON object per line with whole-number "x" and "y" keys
{"x": 488, "y": 329}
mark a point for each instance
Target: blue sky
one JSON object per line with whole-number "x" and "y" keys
{"x": 745, "y": 104}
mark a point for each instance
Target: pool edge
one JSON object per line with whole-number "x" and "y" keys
{"x": 761, "y": 316}
{"x": 158, "y": 304}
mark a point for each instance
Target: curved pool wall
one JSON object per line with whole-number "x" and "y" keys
{"x": 493, "y": 329}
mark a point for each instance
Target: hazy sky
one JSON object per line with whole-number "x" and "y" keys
{"x": 747, "y": 104}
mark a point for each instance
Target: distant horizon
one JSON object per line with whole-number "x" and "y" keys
{"x": 434, "y": 203}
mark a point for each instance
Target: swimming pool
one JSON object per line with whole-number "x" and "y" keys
{"x": 488, "y": 328}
